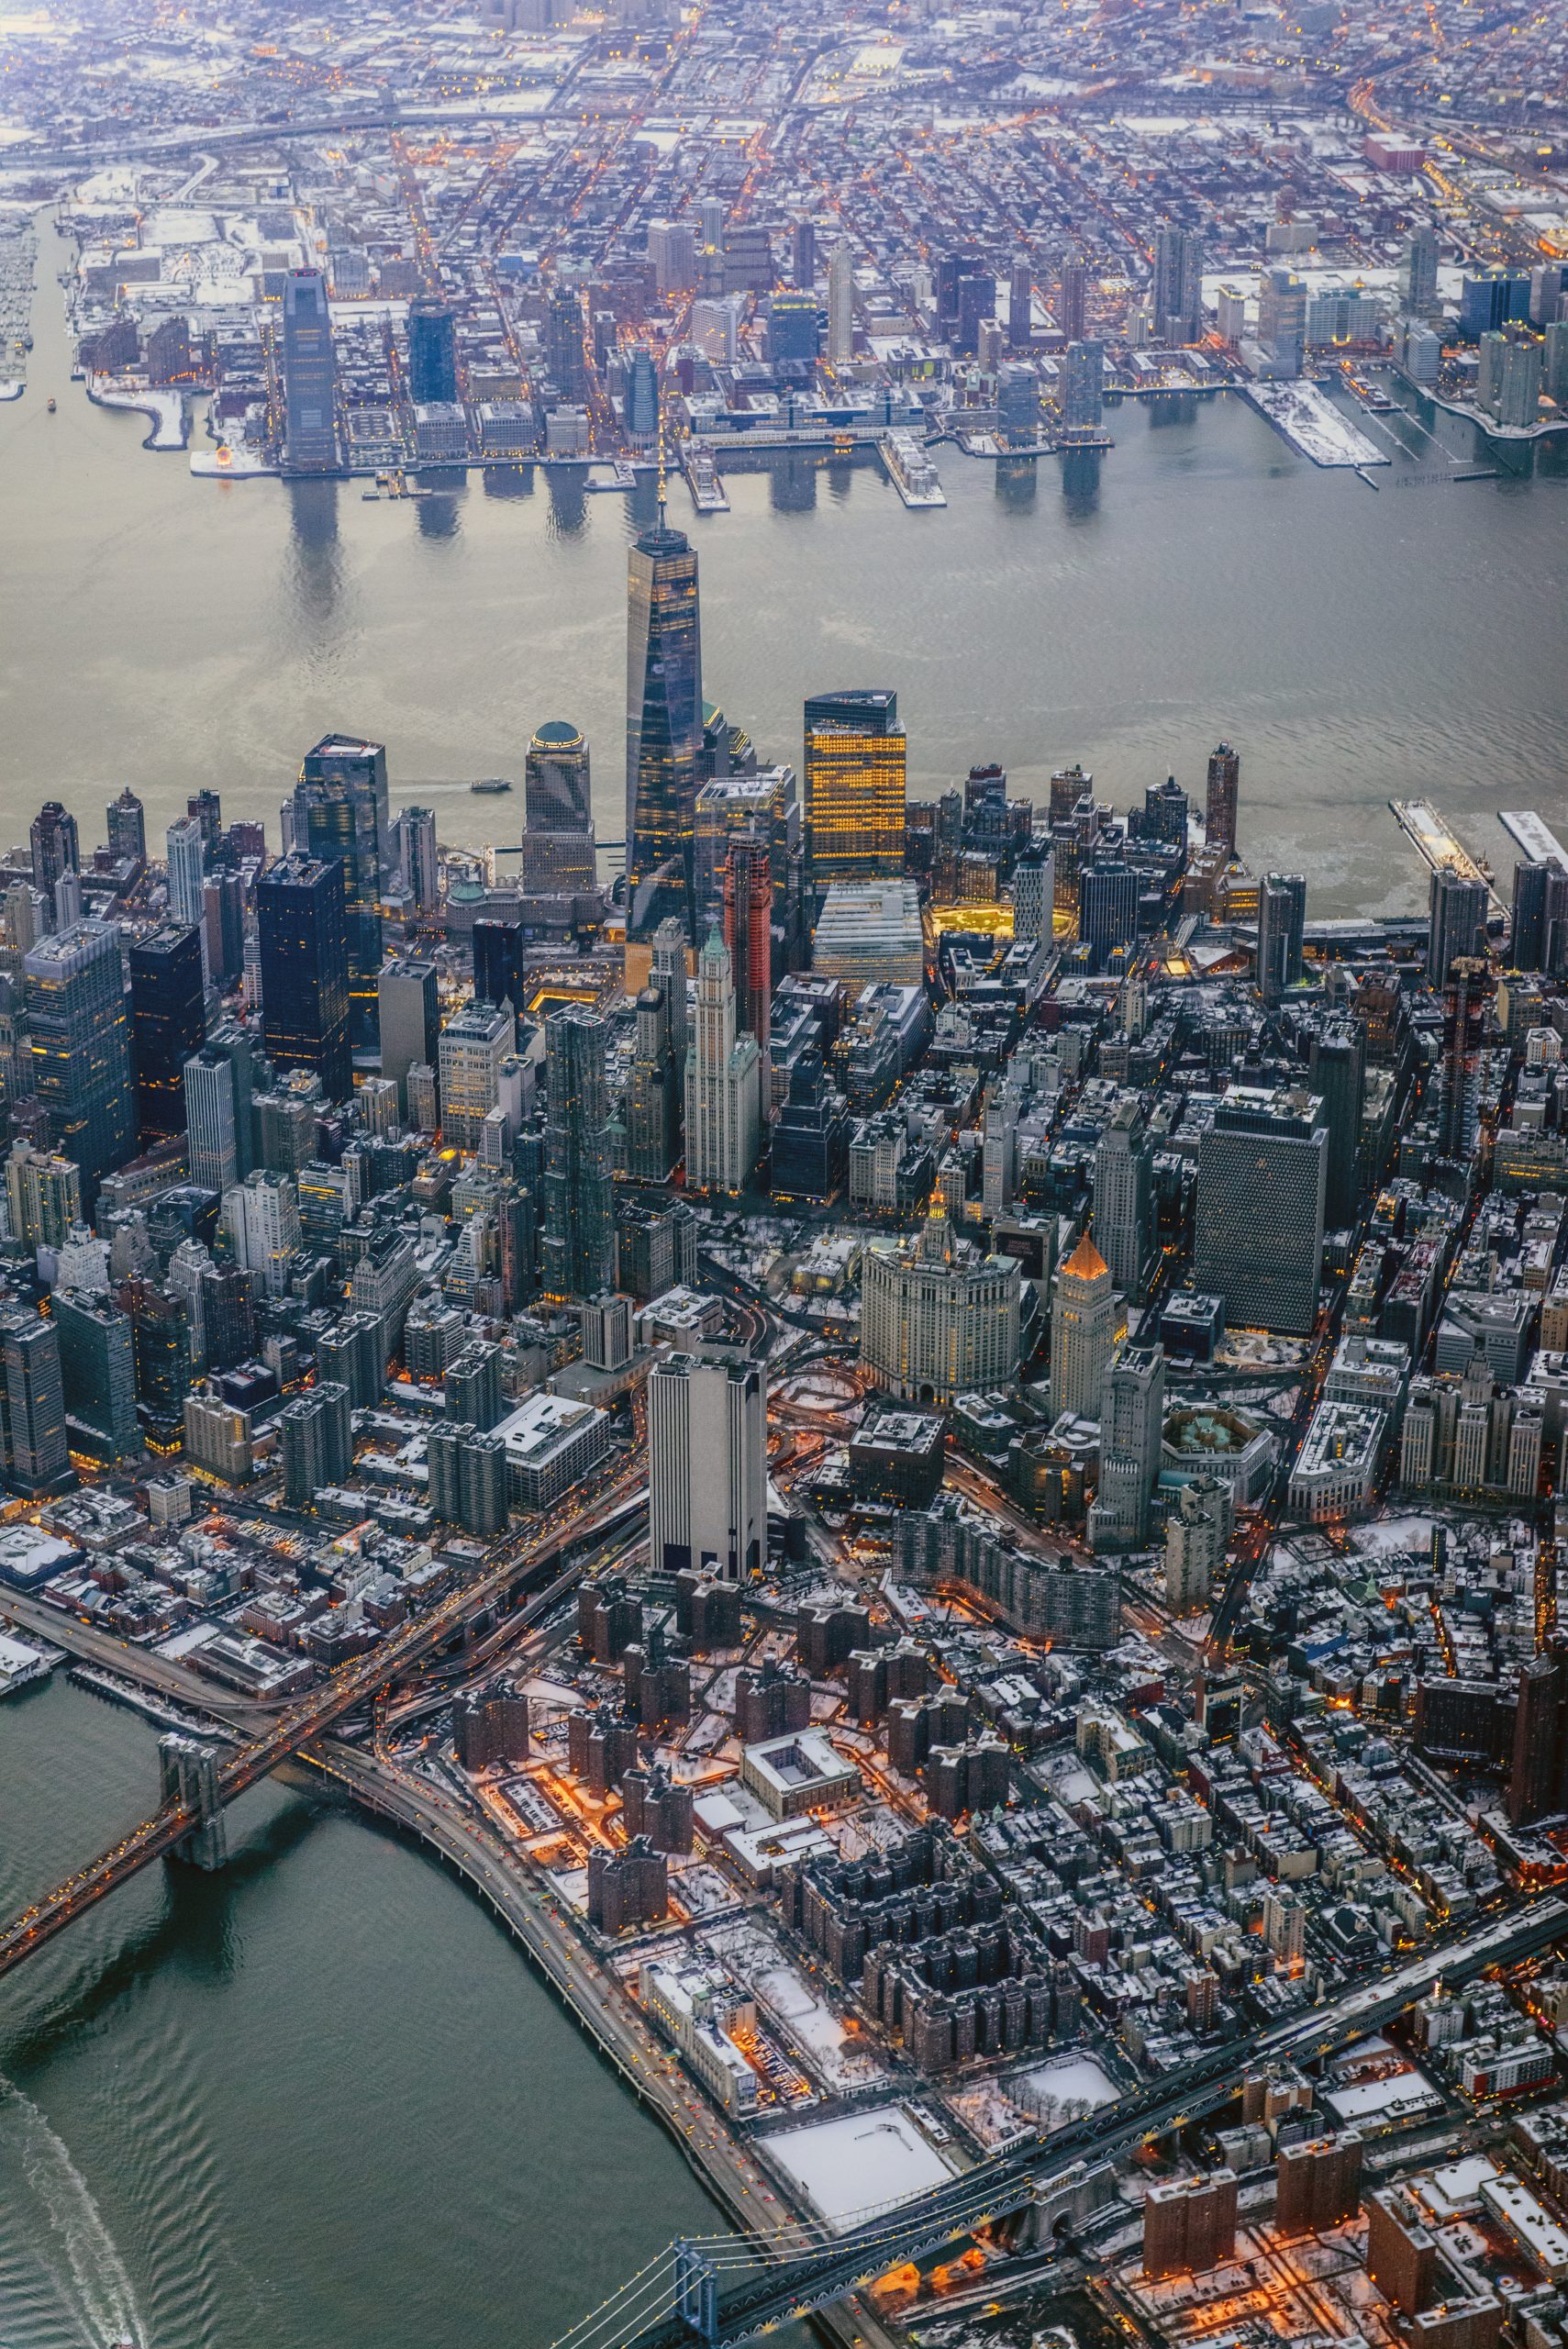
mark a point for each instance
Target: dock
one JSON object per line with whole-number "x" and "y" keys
{"x": 1440, "y": 845}
{"x": 708, "y": 493}
{"x": 910, "y": 470}
{"x": 1531, "y": 838}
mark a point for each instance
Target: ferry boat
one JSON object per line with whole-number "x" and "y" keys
{"x": 491, "y": 784}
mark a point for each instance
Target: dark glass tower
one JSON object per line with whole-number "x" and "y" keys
{"x": 303, "y": 926}
{"x": 340, "y": 810}
{"x": 309, "y": 377}
{"x": 128, "y": 826}
{"x": 578, "y": 1246}
{"x": 167, "y": 1025}
{"x": 32, "y": 1407}
{"x": 55, "y": 846}
{"x": 97, "y": 1368}
{"x": 663, "y": 727}
{"x": 76, "y": 1010}
{"x": 432, "y": 351}
{"x": 498, "y": 962}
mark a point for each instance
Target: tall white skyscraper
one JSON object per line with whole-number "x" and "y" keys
{"x": 1131, "y": 1420}
{"x": 722, "y": 1120}
{"x": 187, "y": 869}
{"x": 1034, "y": 895}
{"x": 262, "y": 1217}
{"x": 707, "y": 1467}
{"x": 1083, "y": 1332}
{"x": 840, "y": 305}
{"x": 474, "y": 1046}
{"x": 1123, "y": 1187}
{"x": 215, "y": 1106}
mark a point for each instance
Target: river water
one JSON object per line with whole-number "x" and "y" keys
{"x": 317, "y": 2101}
{"x": 1356, "y": 645}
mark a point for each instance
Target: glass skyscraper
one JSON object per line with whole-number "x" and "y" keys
{"x": 578, "y": 1245}
{"x": 855, "y": 786}
{"x": 167, "y": 1024}
{"x": 309, "y": 377}
{"x": 663, "y": 727}
{"x": 32, "y": 1406}
{"x": 76, "y": 1010}
{"x": 340, "y": 810}
{"x": 304, "y": 933}
{"x": 97, "y": 1368}
{"x": 432, "y": 351}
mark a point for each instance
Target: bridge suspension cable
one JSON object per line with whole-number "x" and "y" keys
{"x": 629, "y": 2302}
{"x": 652, "y": 2293}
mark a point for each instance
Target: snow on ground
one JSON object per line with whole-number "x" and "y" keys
{"x": 1049, "y": 2089}
{"x": 1394, "y": 1534}
{"x": 810, "y": 2026}
{"x": 166, "y": 409}
{"x": 1382, "y": 2099}
{"x": 865, "y": 2161}
{"x": 1309, "y": 419}
{"x": 230, "y": 460}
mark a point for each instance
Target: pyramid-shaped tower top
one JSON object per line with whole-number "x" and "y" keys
{"x": 1085, "y": 1263}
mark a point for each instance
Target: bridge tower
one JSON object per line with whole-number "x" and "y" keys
{"x": 697, "y": 2291}
{"x": 188, "y": 1771}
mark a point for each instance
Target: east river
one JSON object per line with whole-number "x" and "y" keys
{"x": 1356, "y": 645}
{"x": 317, "y": 2101}
{"x": 320, "y": 2099}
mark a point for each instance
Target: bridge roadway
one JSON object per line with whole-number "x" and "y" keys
{"x": 274, "y": 1738}
{"x": 799, "y": 2289}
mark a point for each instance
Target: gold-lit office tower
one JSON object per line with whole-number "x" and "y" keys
{"x": 855, "y": 786}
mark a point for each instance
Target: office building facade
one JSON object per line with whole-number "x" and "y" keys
{"x": 1281, "y": 920}
{"x": 856, "y": 786}
{"x": 1262, "y": 1171}
{"x": 309, "y": 377}
{"x": 707, "y": 1468}
{"x": 723, "y": 1124}
{"x": 1083, "y": 1322}
{"x": 81, "y": 1047}
{"x": 341, "y": 810}
{"x": 663, "y": 727}
{"x": 938, "y": 1318}
{"x": 302, "y": 922}
{"x": 167, "y": 1024}
{"x": 577, "y": 1247}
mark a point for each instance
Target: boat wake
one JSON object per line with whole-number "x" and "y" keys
{"x": 63, "y": 2282}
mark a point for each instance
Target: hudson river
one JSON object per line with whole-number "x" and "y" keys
{"x": 1355, "y": 645}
